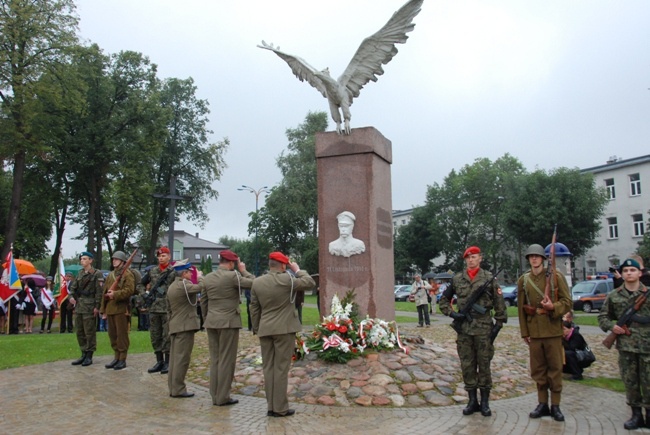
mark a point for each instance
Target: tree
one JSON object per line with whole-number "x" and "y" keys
{"x": 33, "y": 37}
{"x": 419, "y": 242}
{"x": 563, "y": 196}
{"x": 289, "y": 219}
{"x": 186, "y": 155}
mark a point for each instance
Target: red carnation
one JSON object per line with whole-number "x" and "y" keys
{"x": 331, "y": 326}
{"x": 343, "y": 329}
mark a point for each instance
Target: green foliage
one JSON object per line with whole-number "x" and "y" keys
{"x": 644, "y": 246}
{"x": 289, "y": 219}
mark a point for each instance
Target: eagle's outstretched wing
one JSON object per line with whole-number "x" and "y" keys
{"x": 379, "y": 49}
{"x": 299, "y": 67}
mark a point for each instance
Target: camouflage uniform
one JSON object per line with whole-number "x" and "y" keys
{"x": 633, "y": 349}
{"x": 545, "y": 332}
{"x": 158, "y": 319}
{"x": 87, "y": 292}
{"x": 473, "y": 344}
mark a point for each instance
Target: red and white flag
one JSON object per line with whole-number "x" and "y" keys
{"x": 60, "y": 282}
{"x": 10, "y": 282}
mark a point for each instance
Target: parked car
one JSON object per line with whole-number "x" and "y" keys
{"x": 509, "y": 295}
{"x": 590, "y": 295}
{"x": 402, "y": 293}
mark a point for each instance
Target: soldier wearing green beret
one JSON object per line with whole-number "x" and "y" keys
{"x": 86, "y": 295}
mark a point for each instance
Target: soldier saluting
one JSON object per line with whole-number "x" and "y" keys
{"x": 474, "y": 343}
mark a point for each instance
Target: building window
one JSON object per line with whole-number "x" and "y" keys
{"x": 197, "y": 256}
{"x": 639, "y": 227}
{"x": 177, "y": 255}
{"x": 403, "y": 221}
{"x": 635, "y": 185}
{"x": 612, "y": 225}
{"x": 611, "y": 189}
{"x": 208, "y": 256}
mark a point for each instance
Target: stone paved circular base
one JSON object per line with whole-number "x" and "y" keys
{"x": 57, "y": 397}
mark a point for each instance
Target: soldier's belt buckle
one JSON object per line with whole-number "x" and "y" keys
{"x": 540, "y": 311}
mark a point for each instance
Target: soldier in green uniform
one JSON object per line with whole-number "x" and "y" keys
{"x": 86, "y": 294}
{"x": 115, "y": 308}
{"x": 475, "y": 349}
{"x": 633, "y": 349}
{"x": 182, "y": 301}
{"x": 540, "y": 323}
{"x": 220, "y": 298}
{"x": 157, "y": 281}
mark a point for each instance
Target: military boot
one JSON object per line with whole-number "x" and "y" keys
{"x": 80, "y": 360}
{"x": 165, "y": 368}
{"x": 557, "y": 414}
{"x": 636, "y": 421}
{"x": 159, "y": 363}
{"x": 485, "y": 402}
{"x": 88, "y": 360}
{"x": 472, "y": 405}
{"x": 540, "y": 411}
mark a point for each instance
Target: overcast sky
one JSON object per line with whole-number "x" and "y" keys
{"x": 554, "y": 83}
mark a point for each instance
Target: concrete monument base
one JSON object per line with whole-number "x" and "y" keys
{"x": 354, "y": 177}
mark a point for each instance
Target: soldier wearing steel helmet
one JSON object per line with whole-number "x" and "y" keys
{"x": 540, "y": 323}
{"x": 115, "y": 308}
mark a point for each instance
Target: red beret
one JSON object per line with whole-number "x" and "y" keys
{"x": 228, "y": 255}
{"x": 279, "y": 257}
{"x": 471, "y": 251}
{"x": 162, "y": 250}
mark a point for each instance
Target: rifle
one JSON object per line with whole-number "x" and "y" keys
{"x": 551, "y": 279}
{"x": 119, "y": 277}
{"x": 152, "y": 295}
{"x": 472, "y": 304}
{"x": 626, "y": 319}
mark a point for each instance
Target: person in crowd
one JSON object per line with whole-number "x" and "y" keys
{"x": 300, "y": 302}
{"x": 114, "y": 307}
{"x": 14, "y": 314}
{"x": 157, "y": 281}
{"x": 633, "y": 349}
{"x": 645, "y": 273}
{"x": 66, "y": 310}
{"x": 569, "y": 317}
{"x": 182, "y": 301}
{"x": 86, "y": 295}
{"x": 540, "y": 324}
{"x": 3, "y": 317}
{"x": 220, "y": 297}
{"x": 275, "y": 322}
{"x": 29, "y": 305}
{"x": 573, "y": 341}
{"x": 475, "y": 348}
{"x": 433, "y": 295}
{"x": 420, "y": 290}
{"x": 49, "y": 304}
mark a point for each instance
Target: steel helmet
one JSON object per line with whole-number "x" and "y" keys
{"x": 122, "y": 256}
{"x": 535, "y": 249}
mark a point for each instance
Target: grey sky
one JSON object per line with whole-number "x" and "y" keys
{"x": 554, "y": 83}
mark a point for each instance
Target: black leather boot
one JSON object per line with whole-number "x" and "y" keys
{"x": 636, "y": 421}
{"x": 112, "y": 364}
{"x": 472, "y": 405}
{"x": 165, "y": 368}
{"x": 485, "y": 402}
{"x": 541, "y": 411}
{"x": 120, "y": 365}
{"x": 80, "y": 360}
{"x": 88, "y": 360}
{"x": 159, "y": 363}
{"x": 556, "y": 413}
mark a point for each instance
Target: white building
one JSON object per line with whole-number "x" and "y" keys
{"x": 624, "y": 222}
{"x": 401, "y": 218}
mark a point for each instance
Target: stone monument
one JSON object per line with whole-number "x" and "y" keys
{"x": 354, "y": 186}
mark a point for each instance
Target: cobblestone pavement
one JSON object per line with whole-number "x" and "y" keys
{"x": 57, "y": 397}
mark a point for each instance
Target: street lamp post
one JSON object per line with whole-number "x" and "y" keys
{"x": 257, "y": 197}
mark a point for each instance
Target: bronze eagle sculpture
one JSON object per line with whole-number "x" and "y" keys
{"x": 366, "y": 64}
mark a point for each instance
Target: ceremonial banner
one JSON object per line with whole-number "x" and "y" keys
{"x": 10, "y": 282}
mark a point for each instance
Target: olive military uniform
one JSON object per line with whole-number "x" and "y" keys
{"x": 87, "y": 292}
{"x": 183, "y": 324}
{"x": 160, "y": 280}
{"x": 474, "y": 346}
{"x": 633, "y": 349}
{"x": 220, "y": 298}
{"x": 117, "y": 310}
{"x": 545, "y": 332}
